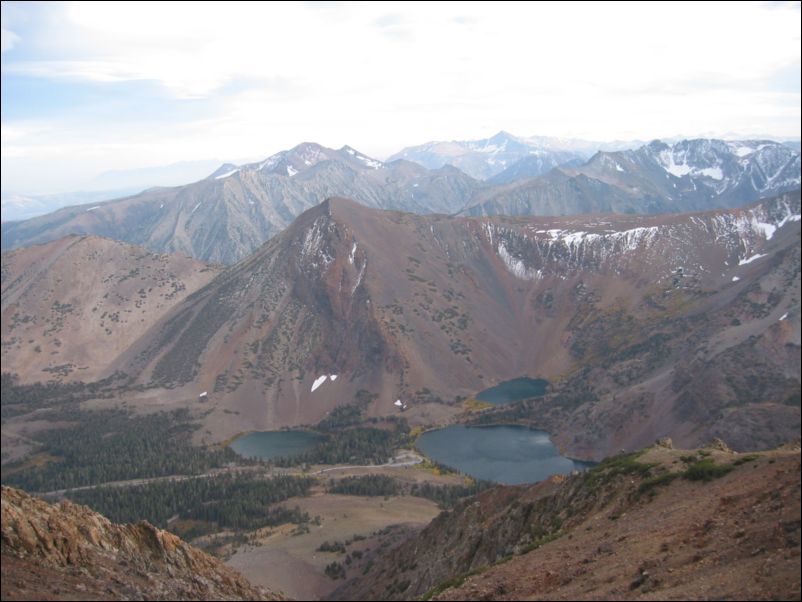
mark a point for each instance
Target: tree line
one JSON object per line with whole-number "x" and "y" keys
{"x": 240, "y": 502}
{"x": 100, "y": 446}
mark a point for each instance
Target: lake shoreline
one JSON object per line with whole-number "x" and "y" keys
{"x": 508, "y": 454}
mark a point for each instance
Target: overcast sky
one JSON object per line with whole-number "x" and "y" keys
{"x": 88, "y": 87}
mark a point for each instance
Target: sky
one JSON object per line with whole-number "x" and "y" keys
{"x": 89, "y": 87}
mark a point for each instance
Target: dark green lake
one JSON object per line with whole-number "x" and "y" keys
{"x": 516, "y": 389}
{"x": 267, "y": 445}
{"x": 503, "y": 454}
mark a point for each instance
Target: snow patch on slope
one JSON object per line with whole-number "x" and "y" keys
{"x": 227, "y": 174}
{"x": 751, "y": 259}
{"x": 318, "y": 381}
{"x": 372, "y": 163}
{"x": 517, "y": 267}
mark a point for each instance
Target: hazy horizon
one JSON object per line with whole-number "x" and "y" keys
{"x": 89, "y": 88}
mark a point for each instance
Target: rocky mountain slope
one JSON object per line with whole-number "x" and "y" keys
{"x": 68, "y": 552}
{"x": 224, "y": 217}
{"x": 534, "y": 165}
{"x": 16, "y": 207}
{"x": 70, "y": 306}
{"x": 489, "y": 157}
{"x": 691, "y": 175}
{"x": 633, "y": 318}
{"x": 664, "y": 524}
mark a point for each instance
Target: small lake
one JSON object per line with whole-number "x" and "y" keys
{"x": 516, "y": 389}
{"x": 267, "y": 445}
{"x": 504, "y": 454}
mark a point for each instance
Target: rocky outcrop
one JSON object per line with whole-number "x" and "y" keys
{"x": 67, "y": 551}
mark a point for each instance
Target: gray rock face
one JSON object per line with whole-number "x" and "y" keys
{"x": 691, "y": 175}
{"x": 536, "y": 164}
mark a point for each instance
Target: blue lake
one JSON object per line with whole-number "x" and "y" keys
{"x": 516, "y": 389}
{"x": 504, "y": 454}
{"x": 267, "y": 445}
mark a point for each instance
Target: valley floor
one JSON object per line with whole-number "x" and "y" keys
{"x": 289, "y": 559}
{"x": 292, "y": 563}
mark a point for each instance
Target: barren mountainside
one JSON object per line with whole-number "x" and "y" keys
{"x": 72, "y": 305}
{"x": 663, "y": 524}
{"x": 68, "y": 552}
{"x": 648, "y": 326}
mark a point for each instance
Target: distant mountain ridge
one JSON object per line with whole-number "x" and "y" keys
{"x": 483, "y": 159}
{"x": 691, "y": 175}
{"x": 17, "y": 207}
{"x": 227, "y": 215}
{"x": 534, "y": 165}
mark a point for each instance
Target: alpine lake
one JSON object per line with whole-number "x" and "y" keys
{"x": 509, "y": 454}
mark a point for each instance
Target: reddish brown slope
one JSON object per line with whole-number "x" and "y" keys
{"x": 71, "y": 306}
{"x": 736, "y": 538}
{"x": 397, "y": 303}
{"x": 608, "y": 535}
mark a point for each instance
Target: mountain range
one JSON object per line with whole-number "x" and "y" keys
{"x": 691, "y": 175}
{"x": 487, "y": 158}
{"x": 691, "y": 319}
{"x": 226, "y": 216}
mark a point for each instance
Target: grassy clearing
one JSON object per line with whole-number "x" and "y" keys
{"x": 745, "y": 459}
{"x": 474, "y": 405}
{"x": 652, "y": 483}
{"x": 621, "y": 464}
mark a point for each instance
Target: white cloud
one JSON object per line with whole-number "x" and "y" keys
{"x": 8, "y": 39}
{"x": 383, "y": 75}
{"x": 194, "y": 49}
